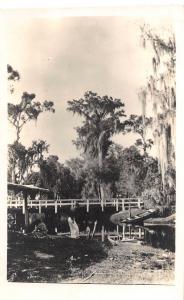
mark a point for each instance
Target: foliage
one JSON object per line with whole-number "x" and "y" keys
{"x": 13, "y": 75}
{"x": 59, "y": 179}
{"x": 138, "y": 125}
{"x": 137, "y": 173}
{"x": 22, "y": 160}
{"x": 101, "y": 120}
{"x": 26, "y": 110}
{"x": 161, "y": 91}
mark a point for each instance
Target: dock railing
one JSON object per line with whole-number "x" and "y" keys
{"x": 118, "y": 203}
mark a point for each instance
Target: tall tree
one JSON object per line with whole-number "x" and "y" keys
{"x": 138, "y": 176}
{"x": 22, "y": 160}
{"x": 101, "y": 120}
{"x": 161, "y": 91}
{"x": 25, "y": 111}
{"x": 138, "y": 125}
{"x": 58, "y": 178}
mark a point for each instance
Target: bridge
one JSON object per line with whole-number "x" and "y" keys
{"x": 118, "y": 203}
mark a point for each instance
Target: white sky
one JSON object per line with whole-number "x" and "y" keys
{"x": 60, "y": 58}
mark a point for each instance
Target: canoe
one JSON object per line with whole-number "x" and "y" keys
{"x": 115, "y": 240}
{"x": 133, "y": 217}
{"x": 167, "y": 221}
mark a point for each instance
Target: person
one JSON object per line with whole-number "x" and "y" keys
{"x": 40, "y": 230}
{"x": 74, "y": 229}
{"x": 88, "y": 230}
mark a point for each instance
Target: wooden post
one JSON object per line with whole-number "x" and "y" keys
{"x": 117, "y": 207}
{"x": 94, "y": 228}
{"x": 130, "y": 232}
{"x": 39, "y": 207}
{"x": 123, "y": 204}
{"x": 139, "y": 202}
{"x": 55, "y": 206}
{"x": 25, "y": 211}
{"x": 124, "y": 231}
{"x": 117, "y": 228}
{"x": 23, "y": 206}
{"x": 87, "y": 205}
{"x": 140, "y": 233}
{"x": 103, "y": 233}
{"x": 102, "y": 205}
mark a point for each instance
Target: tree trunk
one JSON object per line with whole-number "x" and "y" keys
{"x": 13, "y": 173}
{"x": 18, "y": 134}
{"x": 100, "y": 164}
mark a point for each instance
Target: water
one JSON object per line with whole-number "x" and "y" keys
{"x": 160, "y": 237}
{"x": 156, "y": 236}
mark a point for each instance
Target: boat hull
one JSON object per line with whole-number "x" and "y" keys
{"x": 133, "y": 217}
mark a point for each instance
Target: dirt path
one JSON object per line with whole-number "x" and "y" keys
{"x": 129, "y": 263}
{"x": 64, "y": 260}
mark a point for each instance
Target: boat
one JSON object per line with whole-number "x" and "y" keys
{"x": 167, "y": 221}
{"x": 116, "y": 239}
{"x": 133, "y": 216}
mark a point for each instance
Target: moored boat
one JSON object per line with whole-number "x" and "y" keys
{"x": 116, "y": 239}
{"x": 167, "y": 221}
{"x": 132, "y": 217}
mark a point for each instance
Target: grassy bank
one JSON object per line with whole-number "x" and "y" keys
{"x": 64, "y": 260}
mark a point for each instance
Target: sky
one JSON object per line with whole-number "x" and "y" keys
{"x": 60, "y": 58}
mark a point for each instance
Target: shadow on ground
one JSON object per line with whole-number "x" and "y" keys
{"x": 50, "y": 259}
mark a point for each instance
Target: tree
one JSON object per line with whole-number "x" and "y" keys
{"x": 13, "y": 75}
{"x": 161, "y": 91}
{"x": 138, "y": 125}
{"x": 58, "y": 178}
{"x": 131, "y": 172}
{"x": 79, "y": 172}
{"x": 25, "y": 111}
{"x": 16, "y": 164}
{"x": 101, "y": 120}
{"x": 139, "y": 176}
{"x": 22, "y": 160}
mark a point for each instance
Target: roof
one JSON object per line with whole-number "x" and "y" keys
{"x": 27, "y": 187}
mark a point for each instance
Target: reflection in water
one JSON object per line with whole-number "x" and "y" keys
{"x": 156, "y": 236}
{"x": 130, "y": 232}
{"x": 161, "y": 237}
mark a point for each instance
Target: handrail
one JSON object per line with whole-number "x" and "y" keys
{"x": 118, "y": 203}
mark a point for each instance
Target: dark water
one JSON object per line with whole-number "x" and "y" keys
{"x": 160, "y": 237}
{"x": 157, "y": 236}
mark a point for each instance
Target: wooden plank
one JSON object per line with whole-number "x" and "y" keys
{"x": 55, "y": 207}
{"x": 103, "y": 233}
{"x": 140, "y": 233}
{"x": 39, "y": 208}
{"x": 87, "y": 205}
{"x": 117, "y": 206}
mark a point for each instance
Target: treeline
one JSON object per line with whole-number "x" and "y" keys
{"x": 105, "y": 169}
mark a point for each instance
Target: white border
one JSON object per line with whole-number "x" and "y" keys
{"x": 48, "y": 291}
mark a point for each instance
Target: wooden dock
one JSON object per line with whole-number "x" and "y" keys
{"x": 118, "y": 203}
